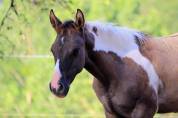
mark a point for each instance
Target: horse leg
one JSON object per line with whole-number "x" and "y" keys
{"x": 102, "y": 96}
{"x": 145, "y": 107}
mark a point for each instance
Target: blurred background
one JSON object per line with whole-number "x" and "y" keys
{"x": 26, "y": 63}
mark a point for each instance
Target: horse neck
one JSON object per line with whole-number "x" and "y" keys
{"x": 101, "y": 66}
{"x": 93, "y": 69}
{"x": 106, "y": 39}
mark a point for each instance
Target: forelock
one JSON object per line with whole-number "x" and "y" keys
{"x": 68, "y": 24}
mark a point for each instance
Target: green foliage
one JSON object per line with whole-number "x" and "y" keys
{"x": 24, "y": 81}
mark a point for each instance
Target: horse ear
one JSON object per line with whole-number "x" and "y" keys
{"x": 55, "y": 22}
{"x": 80, "y": 20}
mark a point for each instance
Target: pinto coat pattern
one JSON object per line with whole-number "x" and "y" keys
{"x": 135, "y": 74}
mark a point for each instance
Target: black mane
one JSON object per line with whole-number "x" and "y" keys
{"x": 68, "y": 24}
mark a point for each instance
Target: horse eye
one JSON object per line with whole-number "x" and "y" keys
{"x": 75, "y": 51}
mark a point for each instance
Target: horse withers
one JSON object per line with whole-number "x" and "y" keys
{"x": 136, "y": 75}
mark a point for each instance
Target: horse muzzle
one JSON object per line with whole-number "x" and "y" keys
{"x": 59, "y": 85}
{"x": 61, "y": 90}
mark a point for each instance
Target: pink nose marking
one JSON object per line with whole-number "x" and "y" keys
{"x": 56, "y": 76}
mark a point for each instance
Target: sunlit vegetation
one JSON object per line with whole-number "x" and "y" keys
{"x": 25, "y": 30}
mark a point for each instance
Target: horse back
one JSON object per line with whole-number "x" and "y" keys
{"x": 163, "y": 53}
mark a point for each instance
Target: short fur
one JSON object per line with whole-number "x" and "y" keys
{"x": 122, "y": 84}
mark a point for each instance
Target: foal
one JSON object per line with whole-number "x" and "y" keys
{"x": 135, "y": 75}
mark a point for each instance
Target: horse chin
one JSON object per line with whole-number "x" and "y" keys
{"x": 62, "y": 94}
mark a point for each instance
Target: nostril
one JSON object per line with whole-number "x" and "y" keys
{"x": 61, "y": 87}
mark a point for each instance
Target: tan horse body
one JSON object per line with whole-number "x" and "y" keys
{"x": 163, "y": 53}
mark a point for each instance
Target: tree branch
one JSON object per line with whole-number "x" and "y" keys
{"x": 12, "y": 6}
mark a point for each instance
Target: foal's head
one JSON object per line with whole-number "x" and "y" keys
{"x": 68, "y": 51}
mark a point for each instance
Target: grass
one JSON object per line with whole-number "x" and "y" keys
{"x": 25, "y": 92}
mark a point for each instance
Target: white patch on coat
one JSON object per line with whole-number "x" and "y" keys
{"x": 57, "y": 66}
{"x": 62, "y": 40}
{"x": 154, "y": 80}
{"x": 56, "y": 75}
{"x": 121, "y": 41}
{"x": 114, "y": 38}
